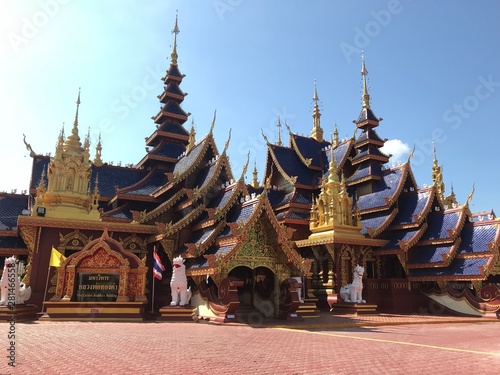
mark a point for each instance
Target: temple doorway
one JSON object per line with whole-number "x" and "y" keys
{"x": 257, "y": 292}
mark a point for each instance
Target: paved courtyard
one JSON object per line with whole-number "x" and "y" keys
{"x": 333, "y": 345}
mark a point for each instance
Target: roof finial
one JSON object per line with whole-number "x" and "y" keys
{"x": 279, "y": 131}
{"x": 255, "y": 181}
{"x": 98, "y": 149}
{"x": 316, "y": 132}
{"x": 73, "y": 140}
{"x": 336, "y": 141}
{"x": 364, "y": 73}
{"x": 332, "y": 168}
{"x": 175, "y": 31}
{"x": 469, "y": 198}
{"x": 226, "y": 146}
{"x": 437, "y": 176}
{"x": 213, "y": 123}
{"x": 245, "y": 168}
{"x": 192, "y": 134}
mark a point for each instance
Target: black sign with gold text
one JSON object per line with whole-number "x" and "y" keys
{"x": 97, "y": 287}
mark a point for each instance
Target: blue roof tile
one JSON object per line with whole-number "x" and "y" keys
{"x": 475, "y": 238}
{"x": 411, "y": 204}
{"x": 111, "y": 176}
{"x": 459, "y": 267}
{"x": 374, "y": 220}
{"x": 399, "y": 235}
{"x": 292, "y": 166}
{"x": 428, "y": 254}
{"x": 384, "y": 188}
{"x": 310, "y": 148}
{"x": 439, "y": 223}
{"x": 11, "y": 206}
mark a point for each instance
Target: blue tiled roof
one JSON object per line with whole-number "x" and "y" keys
{"x": 111, "y": 176}
{"x": 173, "y": 70}
{"x": 410, "y": 204}
{"x": 458, "y": 267}
{"x": 185, "y": 162}
{"x": 302, "y": 197}
{"x": 174, "y": 128}
{"x": 428, "y": 254}
{"x": 298, "y": 215}
{"x": 384, "y": 188}
{"x": 368, "y": 150}
{"x": 397, "y": 235}
{"x": 339, "y": 153}
{"x": 239, "y": 214}
{"x": 374, "y": 220}
{"x": 278, "y": 198}
{"x": 174, "y": 107}
{"x": 366, "y": 114}
{"x": 151, "y": 183}
{"x": 221, "y": 199}
{"x": 174, "y": 89}
{"x": 40, "y": 165}
{"x": 292, "y": 166}
{"x": 310, "y": 148}
{"x": 205, "y": 175}
{"x": 11, "y": 206}
{"x": 170, "y": 150}
{"x": 369, "y": 134}
{"x": 439, "y": 223}
{"x": 475, "y": 238}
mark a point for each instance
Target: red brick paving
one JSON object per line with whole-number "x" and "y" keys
{"x": 203, "y": 348}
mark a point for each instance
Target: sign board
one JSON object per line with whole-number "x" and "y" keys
{"x": 97, "y": 287}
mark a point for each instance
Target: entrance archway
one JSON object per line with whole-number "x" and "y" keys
{"x": 258, "y": 290}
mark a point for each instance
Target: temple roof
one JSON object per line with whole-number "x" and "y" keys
{"x": 286, "y": 161}
{"x": 412, "y": 206}
{"x": 11, "y": 206}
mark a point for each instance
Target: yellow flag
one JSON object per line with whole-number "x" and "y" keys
{"x": 56, "y": 258}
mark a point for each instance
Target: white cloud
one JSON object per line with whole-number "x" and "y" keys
{"x": 398, "y": 149}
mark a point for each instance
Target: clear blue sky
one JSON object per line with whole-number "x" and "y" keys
{"x": 434, "y": 74}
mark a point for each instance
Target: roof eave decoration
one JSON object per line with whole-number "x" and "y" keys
{"x": 195, "y": 250}
{"x": 171, "y": 228}
{"x": 374, "y": 232}
{"x": 305, "y": 161}
{"x": 291, "y": 179}
{"x": 283, "y": 233}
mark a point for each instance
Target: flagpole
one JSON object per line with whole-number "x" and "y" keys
{"x": 153, "y": 293}
{"x": 46, "y": 287}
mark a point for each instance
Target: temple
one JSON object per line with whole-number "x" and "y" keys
{"x": 282, "y": 247}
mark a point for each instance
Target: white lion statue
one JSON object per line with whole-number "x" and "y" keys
{"x": 352, "y": 292}
{"x": 178, "y": 284}
{"x": 19, "y": 291}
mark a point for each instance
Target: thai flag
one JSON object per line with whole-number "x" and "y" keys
{"x": 158, "y": 267}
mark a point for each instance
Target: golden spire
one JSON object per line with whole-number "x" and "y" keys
{"x": 98, "y": 149}
{"x": 86, "y": 144}
{"x": 175, "y": 31}
{"x": 255, "y": 181}
{"x": 364, "y": 73}
{"x": 437, "y": 177}
{"x": 73, "y": 140}
{"x": 336, "y": 141}
{"x": 332, "y": 168}
{"x": 279, "y": 131}
{"x": 60, "y": 140}
{"x": 316, "y": 132}
{"x": 192, "y": 134}
{"x": 41, "y": 185}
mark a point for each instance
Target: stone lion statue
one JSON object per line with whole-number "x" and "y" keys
{"x": 353, "y": 292}
{"x": 181, "y": 294}
{"x": 18, "y": 290}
